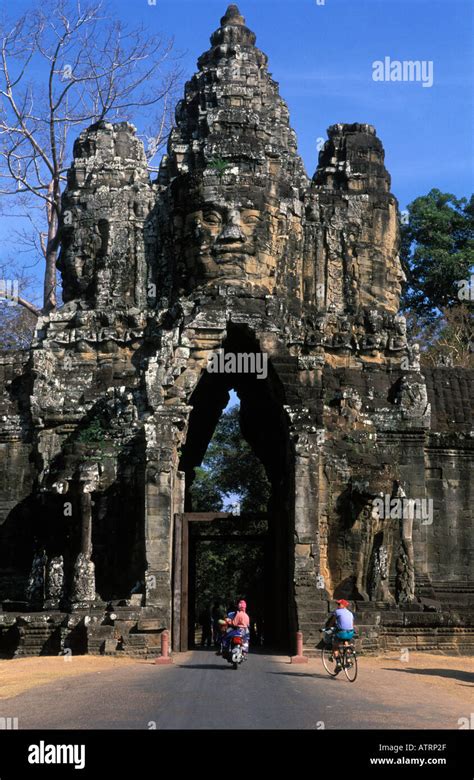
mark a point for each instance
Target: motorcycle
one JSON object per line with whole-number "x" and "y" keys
{"x": 235, "y": 647}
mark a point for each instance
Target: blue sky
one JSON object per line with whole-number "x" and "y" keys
{"x": 322, "y": 57}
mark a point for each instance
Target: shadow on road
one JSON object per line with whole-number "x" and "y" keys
{"x": 254, "y": 650}
{"x": 456, "y": 674}
{"x": 314, "y": 676}
{"x": 202, "y": 666}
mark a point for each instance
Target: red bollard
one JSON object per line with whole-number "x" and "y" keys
{"x": 165, "y": 656}
{"x": 299, "y": 658}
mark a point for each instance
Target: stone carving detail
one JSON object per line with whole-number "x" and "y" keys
{"x": 36, "y": 580}
{"x": 378, "y": 577}
{"x": 375, "y": 548}
{"x": 55, "y": 582}
{"x": 83, "y": 586}
{"x": 414, "y": 399}
{"x": 405, "y": 564}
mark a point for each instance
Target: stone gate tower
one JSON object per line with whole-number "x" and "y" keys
{"x": 105, "y": 419}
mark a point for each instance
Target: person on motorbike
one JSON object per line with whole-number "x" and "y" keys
{"x": 225, "y": 629}
{"x": 342, "y": 620}
{"x": 241, "y": 619}
{"x": 241, "y": 622}
{"x": 218, "y": 614}
{"x": 223, "y": 626}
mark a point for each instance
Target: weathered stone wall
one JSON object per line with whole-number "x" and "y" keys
{"x": 232, "y": 247}
{"x": 17, "y": 474}
{"x": 16, "y": 471}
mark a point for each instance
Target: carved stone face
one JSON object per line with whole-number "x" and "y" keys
{"x": 401, "y": 324}
{"x": 231, "y": 241}
{"x": 396, "y": 277}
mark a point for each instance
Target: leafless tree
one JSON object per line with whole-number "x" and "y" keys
{"x": 448, "y": 340}
{"x": 65, "y": 66}
{"x": 17, "y": 322}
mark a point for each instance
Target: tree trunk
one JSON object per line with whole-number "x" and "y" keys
{"x": 52, "y": 245}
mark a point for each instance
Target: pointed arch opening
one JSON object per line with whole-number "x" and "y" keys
{"x": 264, "y": 426}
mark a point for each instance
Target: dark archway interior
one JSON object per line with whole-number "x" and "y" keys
{"x": 117, "y": 538}
{"x": 209, "y": 589}
{"x": 264, "y": 426}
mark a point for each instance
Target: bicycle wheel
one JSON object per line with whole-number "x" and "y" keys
{"x": 350, "y": 664}
{"x": 330, "y": 666}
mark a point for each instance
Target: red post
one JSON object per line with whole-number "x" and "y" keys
{"x": 299, "y": 658}
{"x": 165, "y": 656}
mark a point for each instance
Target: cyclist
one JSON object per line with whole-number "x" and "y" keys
{"x": 342, "y": 620}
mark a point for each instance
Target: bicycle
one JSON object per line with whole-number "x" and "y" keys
{"x": 347, "y": 656}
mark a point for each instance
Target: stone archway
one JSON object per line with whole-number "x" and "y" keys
{"x": 264, "y": 425}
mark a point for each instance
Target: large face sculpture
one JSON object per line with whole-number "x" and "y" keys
{"x": 396, "y": 278}
{"x": 231, "y": 240}
{"x": 386, "y": 277}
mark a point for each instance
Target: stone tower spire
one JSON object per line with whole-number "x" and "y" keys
{"x": 232, "y": 177}
{"x": 352, "y": 226}
{"x": 233, "y": 16}
{"x": 105, "y": 208}
{"x": 232, "y": 107}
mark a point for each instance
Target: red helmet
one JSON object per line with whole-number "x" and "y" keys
{"x": 342, "y": 602}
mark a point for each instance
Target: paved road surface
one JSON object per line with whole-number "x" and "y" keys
{"x": 202, "y": 691}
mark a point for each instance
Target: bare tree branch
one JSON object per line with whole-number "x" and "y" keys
{"x": 96, "y": 68}
{"x": 21, "y": 301}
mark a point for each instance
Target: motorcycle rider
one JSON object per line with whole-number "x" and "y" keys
{"x": 222, "y": 630}
{"x": 225, "y": 629}
{"x": 241, "y": 619}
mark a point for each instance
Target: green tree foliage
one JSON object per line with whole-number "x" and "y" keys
{"x": 437, "y": 251}
{"x": 205, "y": 493}
{"x": 230, "y": 468}
{"x": 226, "y": 572}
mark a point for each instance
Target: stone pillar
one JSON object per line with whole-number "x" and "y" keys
{"x": 83, "y": 587}
{"x": 160, "y": 470}
{"x": 308, "y": 591}
{"x": 86, "y": 523}
{"x": 158, "y": 513}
